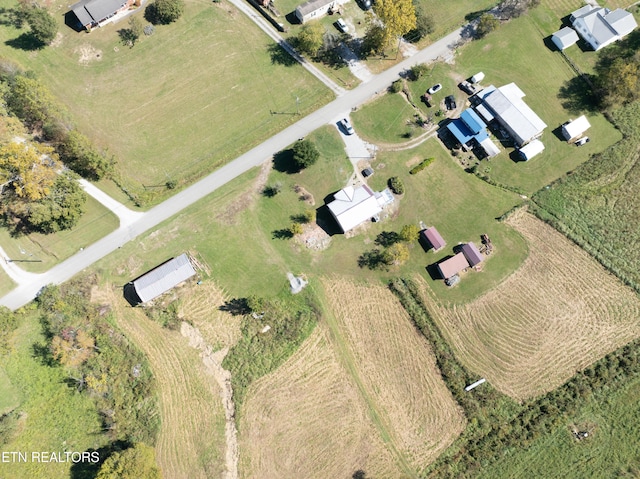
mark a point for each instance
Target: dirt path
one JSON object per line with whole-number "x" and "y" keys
{"x": 213, "y": 362}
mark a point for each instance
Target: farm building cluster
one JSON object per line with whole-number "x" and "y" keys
{"x": 597, "y": 26}
{"x": 466, "y": 255}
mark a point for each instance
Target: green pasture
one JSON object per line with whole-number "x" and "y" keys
{"x": 237, "y": 231}
{"x": 384, "y": 119}
{"x": 611, "y": 449}
{"x": 9, "y": 396}
{"x": 181, "y": 102}
{"x": 6, "y": 283}
{"x": 52, "y": 415}
{"x": 38, "y": 252}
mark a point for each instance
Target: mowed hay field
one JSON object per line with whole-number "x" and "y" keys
{"x": 306, "y": 419}
{"x": 397, "y": 367}
{"x": 559, "y": 312}
{"x": 191, "y": 443}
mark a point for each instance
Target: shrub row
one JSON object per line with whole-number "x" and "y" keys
{"x": 421, "y": 166}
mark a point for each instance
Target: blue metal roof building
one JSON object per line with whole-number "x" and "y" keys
{"x": 468, "y": 127}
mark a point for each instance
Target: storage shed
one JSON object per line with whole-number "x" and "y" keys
{"x": 564, "y": 38}
{"x": 531, "y": 149}
{"x": 163, "y": 278}
{"x": 452, "y": 266}
{"x": 477, "y": 78}
{"x": 433, "y": 238}
{"x": 575, "y": 128}
{"x": 472, "y": 253}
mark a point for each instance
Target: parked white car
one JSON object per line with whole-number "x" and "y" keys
{"x": 342, "y": 26}
{"x": 435, "y": 88}
{"x": 346, "y": 126}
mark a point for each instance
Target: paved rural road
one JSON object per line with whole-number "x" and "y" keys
{"x": 29, "y": 284}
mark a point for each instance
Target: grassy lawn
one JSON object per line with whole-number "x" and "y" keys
{"x": 516, "y": 53}
{"x": 54, "y": 417}
{"x": 6, "y": 283}
{"x": 41, "y": 252}
{"x": 9, "y": 397}
{"x": 384, "y": 119}
{"x": 611, "y": 449}
{"x": 181, "y": 102}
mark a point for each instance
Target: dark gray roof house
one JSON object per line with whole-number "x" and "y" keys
{"x": 164, "y": 277}
{"x": 91, "y": 13}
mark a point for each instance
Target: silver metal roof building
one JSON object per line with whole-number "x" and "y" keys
{"x": 164, "y": 277}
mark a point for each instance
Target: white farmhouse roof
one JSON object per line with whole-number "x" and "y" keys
{"x": 582, "y": 11}
{"x": 353, "y": 206}
{"x": 575, "y": 128}
{"x": 564, "y": 38}
{"x": 531, "y": 149}
{"x": 489, "y": 147}
{"x": 163, "y": 278}
{"x": 621, "y": 21}
{"x": 601, "y": 27}
{"x": 507, "y": 106}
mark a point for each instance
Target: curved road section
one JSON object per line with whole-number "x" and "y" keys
{"x": 30, "y": 284}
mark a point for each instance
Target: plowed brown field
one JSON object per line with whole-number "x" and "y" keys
{"x": 387, "y": 411}
{"x": 191, "y": 443}
{"x": 559, "y": 312}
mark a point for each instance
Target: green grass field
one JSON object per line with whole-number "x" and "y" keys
{"x": 611, "y": 450}
{"x": 179, "y": 103}
{"x": 6, "y": 284}
{"x": 38, "y": 252}
{"x": 54, "y": 417}
{"x": 384, "y": 119}
{"x": 9, "y": 397}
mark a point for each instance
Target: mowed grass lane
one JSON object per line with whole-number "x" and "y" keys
{"x": 179, "y": 103}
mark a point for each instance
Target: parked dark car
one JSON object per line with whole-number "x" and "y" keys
{"x": 367, "y": 172}
{"x": 366, "y": 4}
{"x": 450, "y": 102}
{"x": 467, "y": 87}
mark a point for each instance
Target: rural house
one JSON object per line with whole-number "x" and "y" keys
{"x": 470, "y": 131}
{"x": 452, "y": 266}
{"x": 472, "y": 254}
{"x": 433, "y": 238}
{"x": 93, "y": 13}
{"x": 573, "y": 129}
{"x": 353, "y": 206}
{"x": 600, "y": 26}
{"x": 505, "y": 105}
{"x": 564, "y": 38}
{"x": 163, "y": 278}
{"x": 317, "y": 9}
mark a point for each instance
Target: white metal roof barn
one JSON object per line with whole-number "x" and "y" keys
{"x": 164, "y": 277}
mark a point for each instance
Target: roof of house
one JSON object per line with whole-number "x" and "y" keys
{"x": 164, "y": 277}
{"x": 599, "y": 29}
{"x": 507, "y": 105}
{"x": 312, "y": 5}
{"x": 93, "y": 11}
{"x": 473, "y": 121}
{"x": 532, "y": 149}
{"x": 472, "y": 253}
{"x": 575, "y": 128}
{"x": 352, "y": 206}
{"x": 433, "y": 237}
{"x": 564, "y": 37}
{"x": 622, "y": 21}
{"x": 582, "y": 11}
{"x": 452, "y": 266}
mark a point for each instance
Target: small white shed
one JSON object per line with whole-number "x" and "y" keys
{"x": 531, "y": 149}
{"x": 564, "y": 38}
{"x": 575, "y": 128}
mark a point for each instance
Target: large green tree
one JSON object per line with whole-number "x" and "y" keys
{"x": 398, "y": 16}
{"x": 310, "y": 38}
{"x": 43, "y": 26}
{"x": 164, "y": 11}
{"x": 27, "y": 170}
{"x": 305, "y": 153}
{"x": 77, "y": 152}
{"x": 31, "y": 101}
{"x": 486, "y": 24}
{"x": 137, "y": 462}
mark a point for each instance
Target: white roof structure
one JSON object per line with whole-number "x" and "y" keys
{"x": 575, "y": 128}
{"x": 506, "y": 105}
{"x": 477, "y": 78}
{"x": 489, "y": 147}
{"x": 164, "y": 277}
{"x": 353, "y": 206}
{"x": 564, "y": 38}
{"x": 600, "y": 26}
{"x": 531, "y": 149}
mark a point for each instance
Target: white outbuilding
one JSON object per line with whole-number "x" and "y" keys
{"x": 573, "y": 129}
{"x": 531, "y": 149}
{"x": 477, "y": 78}
{"x": 564, "y": 38}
